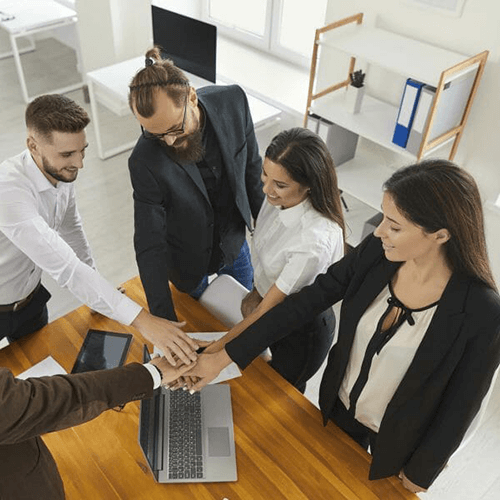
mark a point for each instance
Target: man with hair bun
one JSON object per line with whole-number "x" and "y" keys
{"x": 41, "y": 230}
{"x": 195, "y": 171}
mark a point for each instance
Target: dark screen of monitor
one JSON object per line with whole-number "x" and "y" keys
{"x": 190, "y": 43}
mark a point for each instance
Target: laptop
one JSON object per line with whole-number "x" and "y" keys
{"x": 188, "y": 438}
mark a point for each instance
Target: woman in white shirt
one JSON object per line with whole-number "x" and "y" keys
{"x": 298, "y": 234}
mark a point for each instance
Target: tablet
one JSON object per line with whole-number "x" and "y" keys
{"x": 102, "y": 350}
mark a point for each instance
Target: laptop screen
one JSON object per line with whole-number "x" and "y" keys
{"x": 148, "y": 423}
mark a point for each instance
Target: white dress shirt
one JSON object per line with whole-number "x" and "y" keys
{"x": 290, "y": 247}
{"x": 155, "y": 374}
{"x": 389, "y": 367}
{"x": 41, "y": 230}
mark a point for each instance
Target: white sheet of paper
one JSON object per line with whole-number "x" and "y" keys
{"x": 231, "y": 371}
{"x": 47, "y": 367}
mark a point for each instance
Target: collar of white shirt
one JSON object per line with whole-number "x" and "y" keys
{"x": 36, "y": 175}
{"x": 291, "y": 216}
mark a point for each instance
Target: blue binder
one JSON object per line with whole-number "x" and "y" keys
{"x": 406, "y": 112}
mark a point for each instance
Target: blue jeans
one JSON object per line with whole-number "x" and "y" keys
{"x": 241, "y": 270}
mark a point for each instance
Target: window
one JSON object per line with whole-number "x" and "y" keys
{"x": 282, "y": 27}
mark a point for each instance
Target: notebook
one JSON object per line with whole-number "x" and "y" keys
{"x": 188, "y": 438}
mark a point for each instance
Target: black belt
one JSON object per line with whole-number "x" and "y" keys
{"x": 16, "y": 306}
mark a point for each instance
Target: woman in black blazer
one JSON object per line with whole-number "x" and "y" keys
{"x": 419, "y": 330}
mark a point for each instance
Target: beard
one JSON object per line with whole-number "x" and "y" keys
{"x": 188, "y": 149}
{"x": 65, "y": 174}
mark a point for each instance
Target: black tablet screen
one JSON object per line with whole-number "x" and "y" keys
{"x": 102, "y": 350}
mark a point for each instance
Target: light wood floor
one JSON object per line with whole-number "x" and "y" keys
{"x": 105, "y": 201}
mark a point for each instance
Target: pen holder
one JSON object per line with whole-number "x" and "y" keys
{"x": 353, "y": 98}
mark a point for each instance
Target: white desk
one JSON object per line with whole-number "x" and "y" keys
{"x": 24, "y": 18}
{"x": 109, "y": 86}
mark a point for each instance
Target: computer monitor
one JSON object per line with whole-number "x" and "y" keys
{"x": 190, "y": 43}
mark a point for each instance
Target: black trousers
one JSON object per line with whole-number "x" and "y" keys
{"x": 29, "y": 319}
{"x": 360, "y": 433}
{"x": 298, "y": 356}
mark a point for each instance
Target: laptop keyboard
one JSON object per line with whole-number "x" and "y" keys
{"x": 184, "y": 441}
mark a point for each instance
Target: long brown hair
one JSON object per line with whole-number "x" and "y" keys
{"x": 437, "y": 194}
{"x": 157, "y": 74}
{"x": 307, "y": 160}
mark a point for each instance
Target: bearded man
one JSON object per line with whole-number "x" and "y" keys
{"x": 41, "y": 230}
{"x": 195, "y": 172}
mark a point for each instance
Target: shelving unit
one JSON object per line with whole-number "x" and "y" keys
{"x": 376, "y": 121}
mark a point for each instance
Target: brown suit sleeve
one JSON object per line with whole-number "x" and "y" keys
{"x": 36, "y": 406}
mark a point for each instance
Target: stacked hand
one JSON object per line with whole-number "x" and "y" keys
{"x": 168, "y": 337}
{"x": 169, "y": 373}
{"x": 186, "y": 382}
{"x": 208, "y": 366}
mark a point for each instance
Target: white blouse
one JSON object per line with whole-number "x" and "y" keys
{"x": 290, "y": 247}
{"x": 388, "y": 367}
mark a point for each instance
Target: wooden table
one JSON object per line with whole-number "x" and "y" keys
{"x": 282, "y": 449}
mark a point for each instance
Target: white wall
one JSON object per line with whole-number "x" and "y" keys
{"x": 132, "y": 28}
{"x": 95, "y": 33}
{"x": 476, "y": 30}
{"x": 112, "y": 31}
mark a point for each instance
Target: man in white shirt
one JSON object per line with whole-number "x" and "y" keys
{"x": 41, "y": 230}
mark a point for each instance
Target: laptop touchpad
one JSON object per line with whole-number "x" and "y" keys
{"x": 218, "y": 442}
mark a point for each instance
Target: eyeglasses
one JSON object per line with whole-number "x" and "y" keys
{"x": 172, "y": 133}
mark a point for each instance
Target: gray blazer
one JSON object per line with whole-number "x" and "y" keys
{"x": 173, "y": 215}
{"x": 32, "y": 407}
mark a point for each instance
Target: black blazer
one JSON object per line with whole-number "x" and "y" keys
{"x": 173, "y": 215}
{"x": 446, "y": 382}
